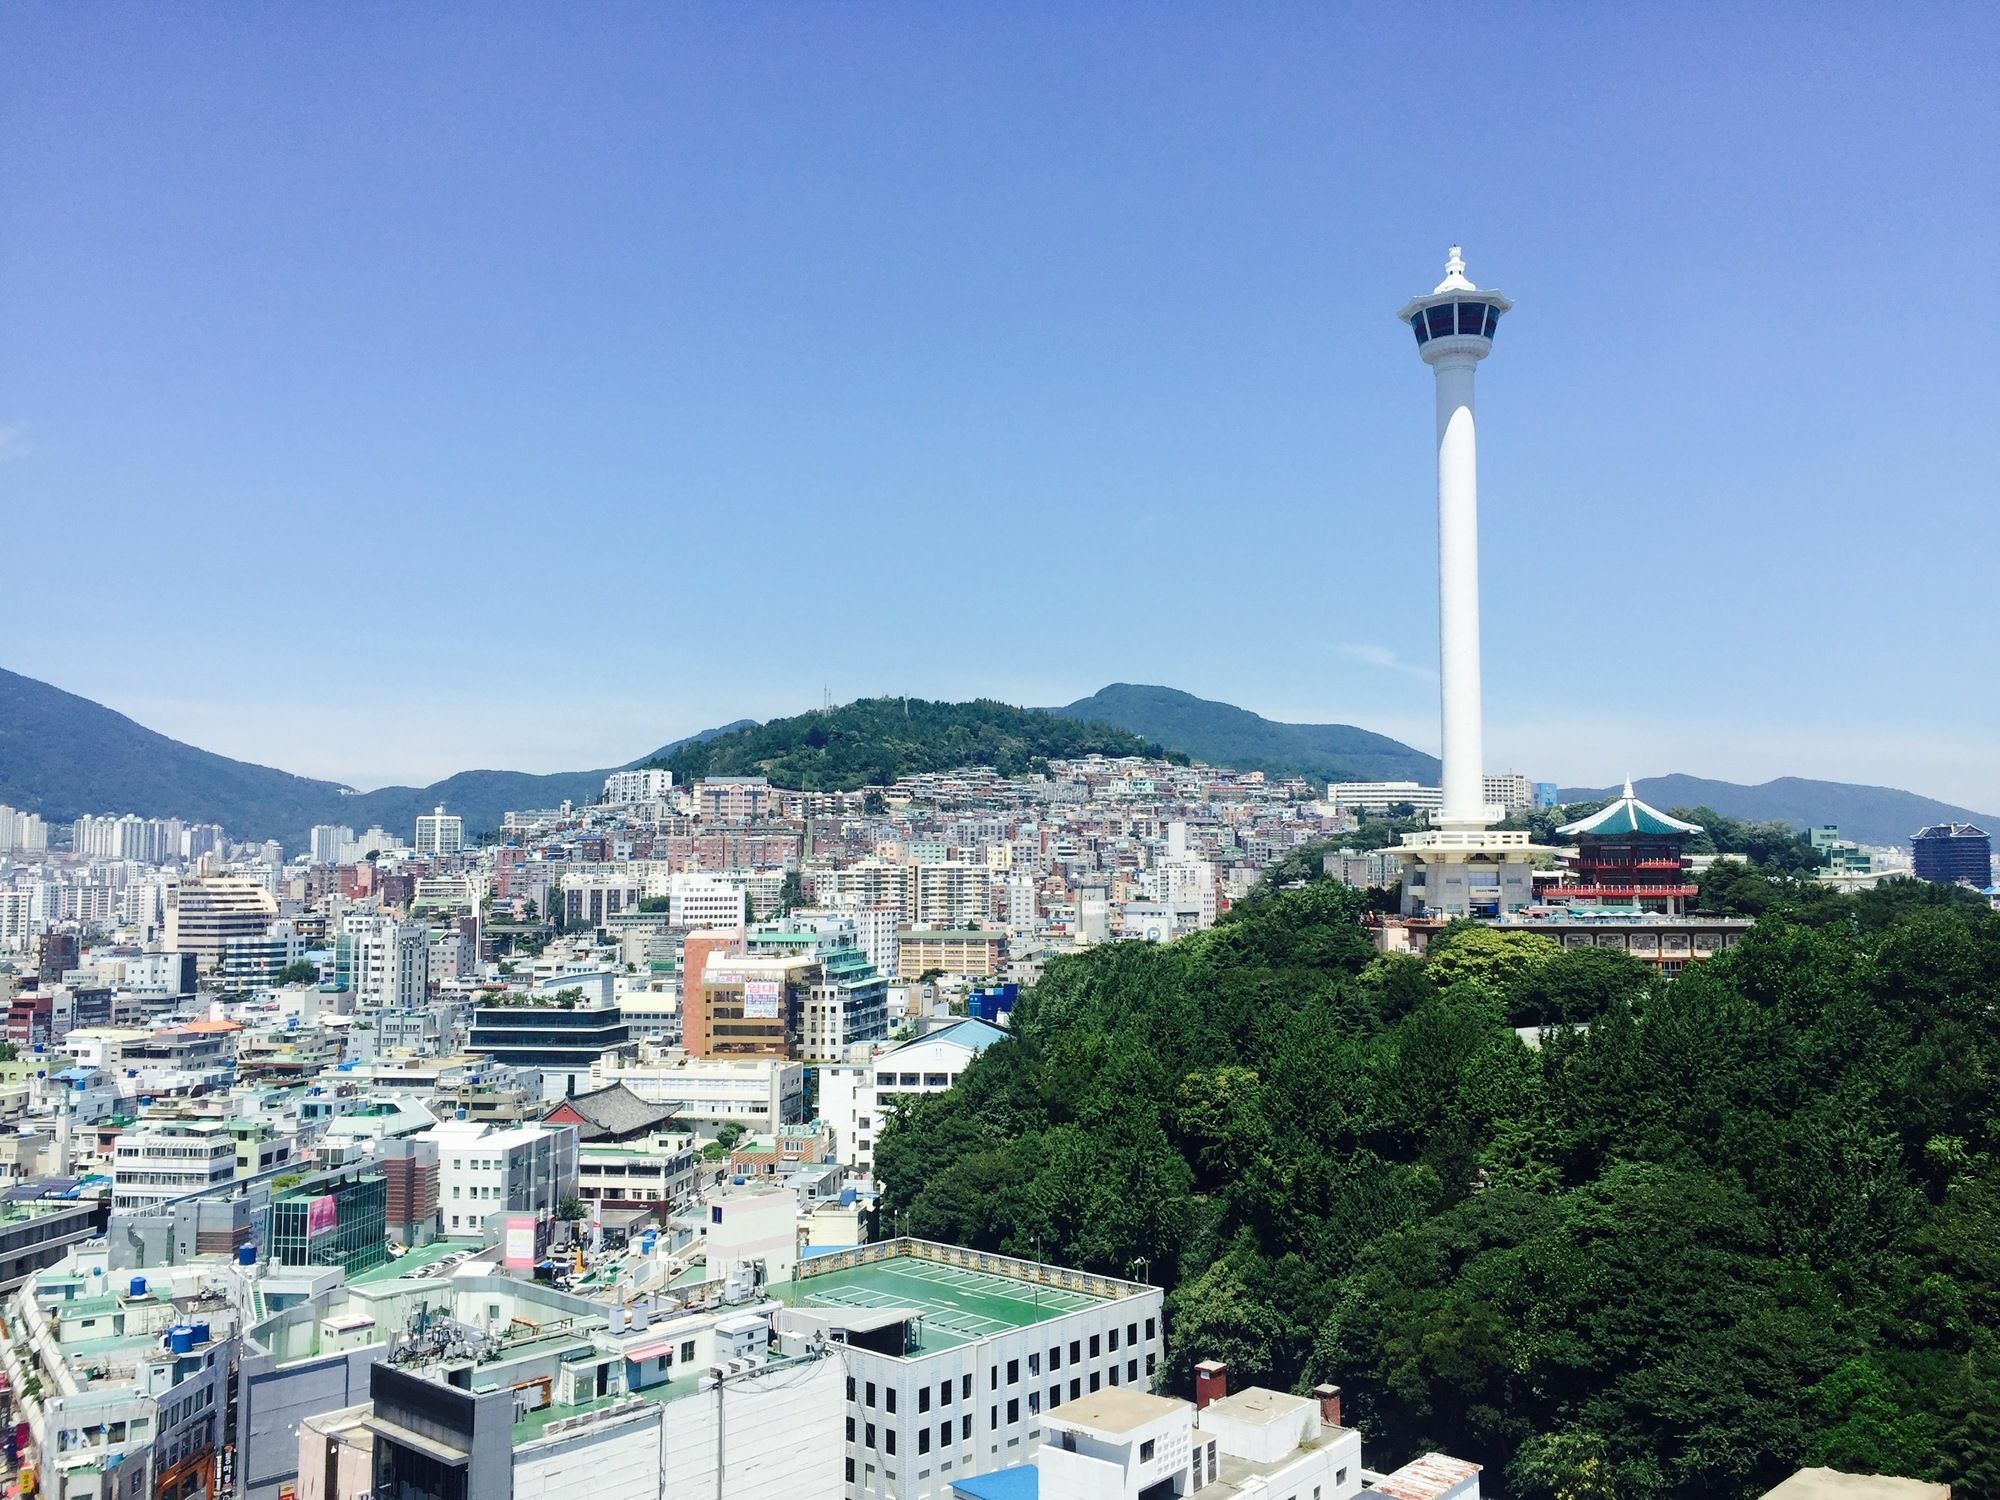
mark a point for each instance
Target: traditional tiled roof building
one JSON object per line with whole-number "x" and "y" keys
{"x": 1629, "y": 854}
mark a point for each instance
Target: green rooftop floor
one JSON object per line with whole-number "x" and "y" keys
{"x": 536, "y": 1423}
{"x": 423, "y": 1255}
{"x": 958, "y": 1305}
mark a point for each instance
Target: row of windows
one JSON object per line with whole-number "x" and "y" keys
{"x": 1473, "y": 318}
{"x": 1077, "y": 1386}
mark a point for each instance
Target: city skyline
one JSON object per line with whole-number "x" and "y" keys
{"x": 1071, "y": 347}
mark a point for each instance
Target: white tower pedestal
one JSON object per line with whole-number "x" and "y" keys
{"x": 1461, "y": 865}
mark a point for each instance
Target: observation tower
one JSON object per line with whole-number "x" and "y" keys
{"x": 1461, "y": 865}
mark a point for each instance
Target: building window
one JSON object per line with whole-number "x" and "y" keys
{"x": 923, "y": 1398}
{"x": 1055, "y": 1359}
{"x": 1114, "y": 1340}
{"x": 889, "y": 1398}
{"x": 889, "y": 1442}
{"x": 1013, "y": 1372}
{"x": 923, "y": 1440}
{"x": 1146, "y": 1451}
{"x": 965, "y": 1428}
{"x": 869, "y": 1398}
{"x": 868, "y": 1434}
{"x": 967, "y": 1391}
{"x": 944, "y": 1393}
{"x": 1096, "y": 1346}
{"x": 850, "y": 1429}
{"x": 944, "y": 1435}
{"x": 1014, "y": 1411}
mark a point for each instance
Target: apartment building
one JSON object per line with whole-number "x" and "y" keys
{"x": 158, "y": 1161}
{"x": 203, "y": 915}
{"x": 486, "y": 1169}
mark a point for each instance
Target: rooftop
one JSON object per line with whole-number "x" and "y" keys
{"x": 1429, "y": 1476}
{"x": 1116, "y": 1409}
{"x": 1832, "y": 1484}
{"x": 1257, "y": 1404}
{"x": 1627, "y": 815}
{"x": 956, "y": 1304}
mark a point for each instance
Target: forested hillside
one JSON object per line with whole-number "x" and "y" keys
{"x": 1747, "y": 1220}
{"x": 874, "y": 741}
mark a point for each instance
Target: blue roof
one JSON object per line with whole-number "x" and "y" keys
{"x": 1022, "y": 1482}
{"x": 971, "y": 1032}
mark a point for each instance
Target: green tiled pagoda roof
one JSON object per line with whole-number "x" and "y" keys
{"x": 1625, "y": 816}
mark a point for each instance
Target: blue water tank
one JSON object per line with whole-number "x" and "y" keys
{"x": 647, "y": 1238}
{"x": 137, "y": 1287}
{"x": 200, "y": 1331}
{"x": 847, "y": 1197}
{"x": 246, "y": 1255}
{"x": 739, "y": 1181}
{"x": 180, "y": 1339}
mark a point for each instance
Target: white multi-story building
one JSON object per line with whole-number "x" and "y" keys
{"x": 697, "y": 900}
{"x": 855, "y": 1099}
{"x": 485, "y": 1169}
{"x": 1379, "y": 797}
{"x": 22, "y": 831}
{"x": 439, "y": 832}
{"x": 18, "y": 927}
{"x": 1124, "y": 1444}
{"x": 203, "y": 915}
{"x": 381, "y": 961}
{"x": 1510, "y": 791}
{"x": 638, "y": 786}
{"x": 946, "y": 894}
{"x": 759, "y": 1093}
{"x": 161, "y": 1160}
{"x": 329, "y": 843}
{"x": 945, "y": 1405}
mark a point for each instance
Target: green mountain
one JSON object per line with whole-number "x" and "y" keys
{"x": 63, "y": 756}
{"x": 1878, "y": 815}
{"x": 873, "y": 741}
{"x": 1224, "y": 735}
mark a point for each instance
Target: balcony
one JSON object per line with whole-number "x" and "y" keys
{"x": 1621, "y": 892}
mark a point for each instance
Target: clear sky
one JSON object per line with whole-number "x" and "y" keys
{"x": 387, "y": 390}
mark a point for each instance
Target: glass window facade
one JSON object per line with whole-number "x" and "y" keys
{"x": 340, "y": 1224}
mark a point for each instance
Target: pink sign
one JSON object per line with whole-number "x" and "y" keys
{"x": 321, "y": 1215}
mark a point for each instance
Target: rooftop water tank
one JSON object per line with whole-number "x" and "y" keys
{"x": 200, "y": 1332}
{"x": 180, "y": 1339}
{"x": 246, "y": 1255}
{"x": 137, "y": 1288}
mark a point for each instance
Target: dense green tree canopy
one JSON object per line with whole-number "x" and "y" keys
{"x": 1708, "y": 1231}
{"x": 875, "y": 741}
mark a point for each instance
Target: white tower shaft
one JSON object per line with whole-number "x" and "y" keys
{"x": 1464, "y": 796}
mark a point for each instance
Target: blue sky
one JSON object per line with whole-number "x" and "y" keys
{"x": 388, "y": 390}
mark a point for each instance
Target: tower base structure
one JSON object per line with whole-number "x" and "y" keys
{"x": 1468, "y": 872}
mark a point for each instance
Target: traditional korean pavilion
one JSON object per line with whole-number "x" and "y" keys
{"x": 1629, "y": 854}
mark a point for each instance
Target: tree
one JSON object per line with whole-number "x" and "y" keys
{"x": 1466, "y": 951}
{"x": 874, "y": 804}
{"x": 301, "y": 972}
{"x": 571, "y": 1208}
{"x": 791, "y": 892}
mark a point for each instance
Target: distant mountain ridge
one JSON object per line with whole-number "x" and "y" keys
{"x": 1225, "y": 735}
{"x": 63, "y": 756}
{"x": 1879, "y": 815}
